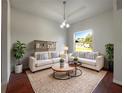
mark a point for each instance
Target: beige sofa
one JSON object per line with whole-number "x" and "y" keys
{"x": 92, "y": 60}
{"x": 42, "y": 60}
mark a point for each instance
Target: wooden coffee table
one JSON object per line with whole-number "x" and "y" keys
{"x": 59, "y": 71}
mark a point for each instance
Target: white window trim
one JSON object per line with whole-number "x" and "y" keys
{"x": 74, "y": 50}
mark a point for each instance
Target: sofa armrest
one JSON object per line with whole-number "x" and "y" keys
{"x": 32, "y": 62}
{"x": 100, "y": 62}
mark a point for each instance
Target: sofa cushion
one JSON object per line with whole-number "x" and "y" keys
{"x": 56, "y": 60}
{"x": 87, "y": 61}
{"x": 41, "y": 55}
{"x": 82, "y": 54}
{"x": 54, "y": 55}
{"x": 38, "y": 56}
{"x": 87, "y": 55}
{"x": 44, "y": 56}
{"x": 91, "y": 55}
{"x": 75, "y": 54}
{"x": 43, "y": 62}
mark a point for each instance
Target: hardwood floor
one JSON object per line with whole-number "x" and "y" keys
{"x": 107, "y": 86}
{"x": 19, "y": 83}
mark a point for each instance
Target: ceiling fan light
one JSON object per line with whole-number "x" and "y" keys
{"x": 63, "y": 23}
{"x": 67, "y": 25}
{"x": 61, "y": 26}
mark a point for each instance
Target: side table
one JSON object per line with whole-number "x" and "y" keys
{"x": 77, "y": 71}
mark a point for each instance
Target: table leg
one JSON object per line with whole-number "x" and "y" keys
{"x": 69, "y": 76}
{"x": 53, "y": 73}
{"x": 67, "y": 73}
{"x": 77, "y": 74}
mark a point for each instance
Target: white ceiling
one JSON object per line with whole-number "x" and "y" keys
{"x": 76, "y": 10}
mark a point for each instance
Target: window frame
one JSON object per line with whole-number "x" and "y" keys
{"x": 74, "y": 45}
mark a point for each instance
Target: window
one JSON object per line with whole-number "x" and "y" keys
{"x": 83, "y": 41}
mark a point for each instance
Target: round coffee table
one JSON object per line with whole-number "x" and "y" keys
{"x": 58, "y": 71}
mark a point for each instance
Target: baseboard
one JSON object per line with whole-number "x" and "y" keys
{"x": 117, "y": 82}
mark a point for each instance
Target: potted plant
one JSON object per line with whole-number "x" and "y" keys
{"x": 61, "y": 62}
{"x": 19, "y": 51}
{"x": 110, "y": 55}
{"x": 75, "y": 59}
{"x": 75, "y": 62}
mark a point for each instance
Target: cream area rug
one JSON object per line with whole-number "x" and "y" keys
{"x": 43, "y": 82}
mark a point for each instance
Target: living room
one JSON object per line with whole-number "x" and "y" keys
{"x": 39, "y": 23}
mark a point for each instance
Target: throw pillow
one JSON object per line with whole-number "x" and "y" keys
{"x": 75, "y": 54}
{"x": 44, "y": 56}
{"x": 54, "y": 55}
{"x": 92, "y": 55}
{"x": 38, "y": 56}
{"x": 86, "y": 55}
{"x": 82, "y": 54}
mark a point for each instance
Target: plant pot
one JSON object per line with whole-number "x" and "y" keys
{"x": 111, "y": 66}
{"x": 61, "y": 64}
{"x": 18, "y": 68}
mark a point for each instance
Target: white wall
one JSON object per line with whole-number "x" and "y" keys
{"x": 102, "y": 26}
{"x": 118, "y": 43}
{"x": 5, "y": 44}
{"x": 27, "y": 27}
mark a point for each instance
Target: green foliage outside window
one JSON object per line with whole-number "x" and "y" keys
{"x": 84, "y": 42}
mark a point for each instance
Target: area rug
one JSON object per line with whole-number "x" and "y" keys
{"x": 43, "y": 82}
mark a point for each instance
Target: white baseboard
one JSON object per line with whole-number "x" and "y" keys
{"x": 117, "y": 82}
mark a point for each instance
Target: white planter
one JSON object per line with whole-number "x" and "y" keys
{"x": 18, "y": 68}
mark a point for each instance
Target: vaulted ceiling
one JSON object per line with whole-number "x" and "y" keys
{"x": 76, "y": 10}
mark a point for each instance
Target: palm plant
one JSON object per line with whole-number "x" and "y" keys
{"x": 110, "y": 55}
{"x": 19, "y": 51}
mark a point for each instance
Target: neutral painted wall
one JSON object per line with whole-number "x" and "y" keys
{"x": 5, "y": 45}
{"x": 27, "y": 27}
{"x": 118, "y": 43}
{"x": 102, "y": 26}
{"x": 118, "y": 48}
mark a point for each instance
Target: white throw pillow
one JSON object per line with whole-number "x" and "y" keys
{"x": 75, "y": 54}
{"x": 82, "y": 54}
